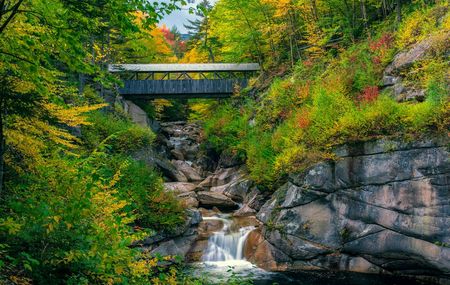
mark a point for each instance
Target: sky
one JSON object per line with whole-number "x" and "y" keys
{"x": 178, "y": 18}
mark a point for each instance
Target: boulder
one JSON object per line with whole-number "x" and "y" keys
{"x": 197, "y": 250}
{"x": 244, "y": 211}
{"x": 404, "y": 60}
{"x": 417, "y": 52}
{"x": 238, "y": 189}
{"x": 179, "y": 246}
{"x": 189, "y": 172}
{"x": 179, "y": 187}
{"x": 188, "y": 200}
{"x": 170, "y": 171}
{"x": 137, "y": 115}
{"x": 221, "y": 177}
{"x": 260, "y": 252}
{"x": 213, "y": 199}
{"x": 178, "y": 154}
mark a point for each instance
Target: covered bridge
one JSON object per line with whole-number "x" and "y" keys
{"x": 171, "y": 81}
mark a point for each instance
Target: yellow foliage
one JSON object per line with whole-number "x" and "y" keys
{"x": 28, "y": 136}
{"x": 195, "y": 55}
{"x": 74, "y": 116}
{"x": 421, "y": 23}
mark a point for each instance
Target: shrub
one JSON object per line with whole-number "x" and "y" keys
{"x": 420, "y": 24}
{"x": 118, "y": 133}
{"x": 227, "y": 127}
{"x": 260, "y": 157}
{"x": 143, "y": 188}
{"x": 72, "y": 227}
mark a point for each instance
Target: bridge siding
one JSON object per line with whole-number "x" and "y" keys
{"x": 189, "y": 87}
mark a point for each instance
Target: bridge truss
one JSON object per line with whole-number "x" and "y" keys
{"x": 171, "y": 81}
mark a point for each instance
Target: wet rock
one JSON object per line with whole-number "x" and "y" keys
{"x": 260, "y": 252}
{"x": 238, "y": 189}
{"x": 255, "y": 199}
{"x": 179, "y": 246}
{"x": 244, "y": 211}
{"x": 197, "y": 250}
{"x": 179, "y": 187}
{"x": 181, "y": 238}
{"x": 178, "y": 154}
{"x": 170, "y": 171}
{"x": 188, "y": 200}
{"x": 208, "y": 226}
{"x": 213, "y": 199}
{"x": 221, "y": 177}
{"x": 189, "y": 172}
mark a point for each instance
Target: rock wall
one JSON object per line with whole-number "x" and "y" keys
{"x": 381, "y": 207}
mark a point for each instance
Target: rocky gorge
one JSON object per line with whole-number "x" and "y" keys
{"x": 380, "y": 207}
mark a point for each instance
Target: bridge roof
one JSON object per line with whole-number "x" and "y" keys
{"x": 203, "y": 67}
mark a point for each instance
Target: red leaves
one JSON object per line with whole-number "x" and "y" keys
{"x": 369, "y": 94}
{"x": 376, "y": 60}
{"x": 385, "y": 42}
{"x": 303, "y": 119}
{"x": 308, "y": 63}
{"x": 380, "y": 48}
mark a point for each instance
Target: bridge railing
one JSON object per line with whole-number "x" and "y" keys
{"x": 184, "y": 71}
{"x": 183, "y": 80}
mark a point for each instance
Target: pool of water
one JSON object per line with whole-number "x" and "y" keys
{"x": 220, "y": 272}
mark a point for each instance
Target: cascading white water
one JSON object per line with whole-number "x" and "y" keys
{"x": 226, "y": 245}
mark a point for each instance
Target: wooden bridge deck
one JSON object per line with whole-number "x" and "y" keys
{"x": 218, "y": 80}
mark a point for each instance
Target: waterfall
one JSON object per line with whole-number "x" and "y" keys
{"x": 226, "y": 244}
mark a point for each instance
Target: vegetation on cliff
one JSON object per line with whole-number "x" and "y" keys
{"x": 336, "y": 94}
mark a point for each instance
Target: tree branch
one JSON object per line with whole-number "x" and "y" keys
{"x": 17, "y": 57}
{"x": 11, "y": 16}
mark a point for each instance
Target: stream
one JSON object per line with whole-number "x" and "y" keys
{"x": 218, "y": 245}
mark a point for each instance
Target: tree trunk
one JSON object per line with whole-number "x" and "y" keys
{"x": 255, "y": 41}
{"x": 384, "y": 8}
{"x": 211, "y": 54}
{"x": 399, "y": 11}
{"x": 2, "y": 145}
{"x": 364, "y": 16}
{"x": 314, "y": 10}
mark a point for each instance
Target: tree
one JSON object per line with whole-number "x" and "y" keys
{"x": 200, "y": 29}
{"x": 44, "y": 44}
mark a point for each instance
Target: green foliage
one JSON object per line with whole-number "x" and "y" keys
{"x": 143, "y": 188}
{"x": 332, "y": 100}
{"x": 119, "y": 134}
{"x": 227, "y": 128}
{"x": 65, "y": 216}
{"x": 421, "y": 23}
{"x": 71, "y": 227}
{"x": 260, "y": 156}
